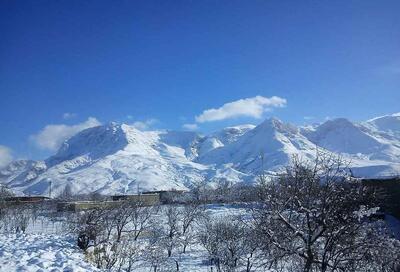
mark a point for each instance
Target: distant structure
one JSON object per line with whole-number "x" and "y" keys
{"x": 167, "y": 197}
{"x": 25, "y": 199}
{"x": 144, "y": 200}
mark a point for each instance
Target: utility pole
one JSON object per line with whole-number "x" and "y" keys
{"x": 262, "y": 156}
{"x": 50, "y": 189}
{"x": 137, "y": 188}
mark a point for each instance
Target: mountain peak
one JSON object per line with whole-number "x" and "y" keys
{"x": 341, "y": 135}
{"x": 275, "y": 124}
{"x": 93, "y": 142}
{"x": 271, "y": 122}
{"x": 118, "y": 158}
{"x": 387, "y": 123}
{"x": 339, "y": 121}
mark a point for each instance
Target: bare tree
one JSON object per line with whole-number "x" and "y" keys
{"x": 20, "y": 215}
{"x": 90, "y": 227}
{"x": 154, "y": 254}
{"x": 130, "y": 254}
{"x": 121, "y": 217}
{"x": 5, "y": 192}
{"x": 190, "y": 214}
{"x": 251, "y": 245}
{"x": 113, "y": 231}
{"x": 66, "y": 193}
{"x": 4, "y": 206}
{"x": 316, "y": 216}
{"x": 106, "y": 255}
{"x": 141, "y": 218}
{"x": 223, "y": 192}
{"x": 224, "y": 239}
{"x": 171, "y": 229}
{"x": 200, "y": 192}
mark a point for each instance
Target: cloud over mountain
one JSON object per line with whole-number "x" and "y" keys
{"x": 145, "y": 124}
{"x": 190, "y": 126}
{"x": 5, "y": 156}
{"x": 247, "y": 107}
{"x": 52, "y": 136}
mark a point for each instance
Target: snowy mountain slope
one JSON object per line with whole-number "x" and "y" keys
{"x": 21, "y": 171}
{"x": 187, "y": 140}
{"x": 118, "y": 159}
{"x": 221, "y": 138}
{"x": 359, "y": 141}
{"x": 91, "y": 143}
{"x": 386, "y": 128}
{"x": 114, "y": 159}
{"x": 275, "y": 141}
{"x": 341, "y": 135}
{"x": 231, "y": 134}
{"x": 388, "y": 123}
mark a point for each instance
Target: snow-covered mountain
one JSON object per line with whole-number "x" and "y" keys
{"x": 389, "y": 124}
{"x": 271, "y": 144}
{"x": 342, "y": 136}
{"x": 22, "y": 171}
{"x": 221, "y": 138}
{"x": 373, "y": 152}
{"x": 117, "y": 158}
{"x": 114, "y": 159}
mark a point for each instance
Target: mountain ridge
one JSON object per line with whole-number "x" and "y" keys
{"x": 118, "y": 158}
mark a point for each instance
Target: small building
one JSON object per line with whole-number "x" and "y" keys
{"x": 142, "y": 200}
{"x": 26, "y": 199}
{"x": 76, "y": 206}
{"x": 168, "y": 197}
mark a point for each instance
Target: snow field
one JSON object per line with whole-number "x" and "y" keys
{"x": 41, "y": 253}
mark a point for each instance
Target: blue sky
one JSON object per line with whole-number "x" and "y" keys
{"x": 162, "y": 63}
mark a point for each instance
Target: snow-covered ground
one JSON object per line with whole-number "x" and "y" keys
{"x": 47, "y": 246}
{"x": 41, "y": 252}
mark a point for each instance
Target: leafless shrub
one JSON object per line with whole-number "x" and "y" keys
{"x": 5, "y": 192}
{"x": 4, "y": 207}
{"x": 90, "y": 227}
{"x": 154, "y": 254}
{"x": 19, "y": 216}
{"x": 109, "y": 234}
{"x": 226, "y": 241}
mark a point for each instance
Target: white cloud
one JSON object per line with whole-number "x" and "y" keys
{"x": 308, "y": 117}
{"x": 5, "y": 156}
{"x": 248, "y": 107}
{"x": 69, "y": 115}
{"x": 52, "y": 136}
{"x": 190, "y": 126}
{"x": 145, "y": 125}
